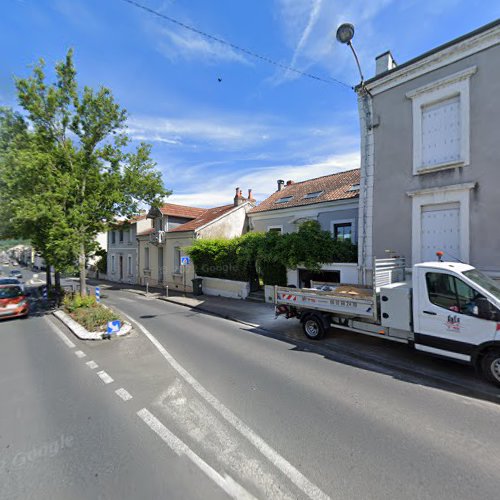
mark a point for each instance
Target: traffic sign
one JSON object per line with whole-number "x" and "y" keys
{"x": 184, "y": 261}
{"x": 114, "y": 326}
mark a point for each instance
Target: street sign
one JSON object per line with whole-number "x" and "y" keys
{"x": 184, "y": 261}
{"x": 113, "y": 326}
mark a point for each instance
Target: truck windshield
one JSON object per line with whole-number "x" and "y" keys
{"x": 483, "y": 281}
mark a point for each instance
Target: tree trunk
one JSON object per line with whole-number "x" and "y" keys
{"x": 83, "y": 280}
{"x": 48, "y": 276}
{"x": 57, "y": 285}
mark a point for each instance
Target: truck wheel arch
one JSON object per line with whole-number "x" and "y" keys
{"x": 322, "y": 320}
{"x": 482, "y": 349}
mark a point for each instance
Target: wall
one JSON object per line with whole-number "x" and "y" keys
{"x": 348, "y": 273}
{"x": 231, "y": 225}
{"x": 225, "y": 288}
{"x": 392, "y": 228}
{"x": 323, "y": 213}
{"x": 172, "y": 278}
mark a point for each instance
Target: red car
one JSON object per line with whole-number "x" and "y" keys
{"x": 13, "y": 302}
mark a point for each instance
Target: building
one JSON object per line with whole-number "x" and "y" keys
{"x": 332, "y": 200}
{"x": 430, "y": 154}
{"x": 122, "y": 265}
{"x": 174, "y": 229}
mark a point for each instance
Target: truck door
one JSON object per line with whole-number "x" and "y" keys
{"x": 448, "y": 316}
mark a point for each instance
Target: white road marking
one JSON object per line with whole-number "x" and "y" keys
{"x": 124, "y": 394}
{"x": 125, "y": 299}
{"x": 226, "y": 483}
{"x": 92, "y": 365}
{"x": 80, "y": 354}
{"x": 105, "y": 377}
{"x": 293, "y": 474}
{"x": 60, "y": 334}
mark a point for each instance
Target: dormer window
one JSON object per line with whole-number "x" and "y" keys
{"x": 354, "y": 187}
{"x": 285, "y": 199}
{"x": 314, "y": 194}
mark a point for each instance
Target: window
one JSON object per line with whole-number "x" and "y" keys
{"x": 113, "y": 237}
{"x": 121, "y": 235}
{"x": 285, "y": 199}
{"x": 315, "y": 194}
{"x": 129, "y": 264}
{"x": 342, "y": 231}
{"x": 441, "y": 123}
{"x": 113, "y": 264}
{"x": 451, "y": 293}
{"x": 177, "y": 260}
{"x": 275, "y": 229}
{"x": 146, "y": 258}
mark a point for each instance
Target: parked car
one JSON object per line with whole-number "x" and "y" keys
{"x": 15, "y": 273}
{"x": 13, "y": 302}
{"x": 11, "y": 281}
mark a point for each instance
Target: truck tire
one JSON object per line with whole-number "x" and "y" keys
{"x": 313, "y": 327}
{"x": 490, "y": 366}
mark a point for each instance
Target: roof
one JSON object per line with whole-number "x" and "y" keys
{"x": 181, "y": 210}
{"x": 330, "y": 188}
{"x": 132, "y": 220}
{"x": 451, "y": 266}
{"x": 207, "y": 216}
{"x": 486, "y": 27}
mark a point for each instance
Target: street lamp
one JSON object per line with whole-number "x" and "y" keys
{"x": 345, "y": 33}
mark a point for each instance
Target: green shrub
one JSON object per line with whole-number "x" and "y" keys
{"x": 94, "y": 318}
{"x": 72, "y": 303}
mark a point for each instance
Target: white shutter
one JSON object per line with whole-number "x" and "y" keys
{"x": 441, "y": 132}
{"x": 440, "y": 226}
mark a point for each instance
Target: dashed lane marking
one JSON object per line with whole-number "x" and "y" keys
{"x": 105, "y": 377}
{"x": 226, "y": 483}
{"x": 80, "y": 354}
{"x": 92, "y": 364}
{"x": 123, "y": 393}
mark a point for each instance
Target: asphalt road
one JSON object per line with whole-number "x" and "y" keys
{"x": 218, "y": 410}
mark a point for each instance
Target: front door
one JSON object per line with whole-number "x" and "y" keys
{"x": 440, "y": 231}
{"x": 448, "y": 317}
{"x": 160, "y": 264}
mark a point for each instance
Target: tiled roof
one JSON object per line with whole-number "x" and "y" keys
{"x": 149, "y": 230}
{"x": 207, "y": 216}
{"x": 331, "y": 187}
{"x": 181, "y": 211}
{"x": 132, "y": 220}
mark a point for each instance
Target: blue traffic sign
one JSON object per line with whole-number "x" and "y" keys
{"x": 114, "y": 326}
{"x": 184, "y": 261}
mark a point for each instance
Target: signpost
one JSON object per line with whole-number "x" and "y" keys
{"x": 184, "y": 263}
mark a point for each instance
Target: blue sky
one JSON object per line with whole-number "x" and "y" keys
{"x": 259, "y": 123}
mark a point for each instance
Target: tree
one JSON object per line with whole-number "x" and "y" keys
{"x": 72, "y": 169}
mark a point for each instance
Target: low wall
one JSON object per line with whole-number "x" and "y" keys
{"x": 225, "y": 288}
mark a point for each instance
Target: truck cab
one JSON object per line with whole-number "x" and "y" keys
{"x": 456, "y": 312}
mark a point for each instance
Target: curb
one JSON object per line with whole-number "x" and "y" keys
{"x": 82, "y": 333}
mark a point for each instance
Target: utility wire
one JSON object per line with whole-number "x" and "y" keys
{"x": 236, "y": 47}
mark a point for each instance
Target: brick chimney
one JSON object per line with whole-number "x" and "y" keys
{"x": 289, "y": 183}
{"x": 250, "y": 197}
{"x": 238, "y": 197}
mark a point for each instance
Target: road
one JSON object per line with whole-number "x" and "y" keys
{"x": 221, "y": 410}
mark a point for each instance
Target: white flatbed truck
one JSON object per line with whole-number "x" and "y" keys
{"x": 447, "y": 309}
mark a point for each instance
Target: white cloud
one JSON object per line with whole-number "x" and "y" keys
{"x": 179, "y": 43}
{"x": 218, "y": 188}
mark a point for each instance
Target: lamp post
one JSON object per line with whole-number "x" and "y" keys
{"x": 345, "y": 34}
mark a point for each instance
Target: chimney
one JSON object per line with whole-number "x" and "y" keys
{"x": 384, "y": 62}
{"x": 281, "y": 183}
{"x": 238, "y": 197}
{"x": 250, "y": 198}
{"x": 289, "y": 183}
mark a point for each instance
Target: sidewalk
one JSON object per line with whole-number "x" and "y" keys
{"x": 380, "y": 355}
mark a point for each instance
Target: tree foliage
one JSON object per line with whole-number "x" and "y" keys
{"x": 67, "y": 168}
{"x": 270, "y": 254}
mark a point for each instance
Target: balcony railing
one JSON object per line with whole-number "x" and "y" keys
{"x": 157, "y": 237}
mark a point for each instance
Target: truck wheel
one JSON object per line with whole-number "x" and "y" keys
{"x": 313, "y": 327}
{"x": 490, "y": 366}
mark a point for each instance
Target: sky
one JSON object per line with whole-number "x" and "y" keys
{"x": 217, "y": 117}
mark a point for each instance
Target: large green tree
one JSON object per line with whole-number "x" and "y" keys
{"x": 67, "y": 168}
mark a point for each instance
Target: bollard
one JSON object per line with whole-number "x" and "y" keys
{"x": 97, "y": 294}
{"x": 147, "y": 287}
{"x": 166, "y": 290}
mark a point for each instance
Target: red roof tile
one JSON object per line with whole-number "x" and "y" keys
{"x": 331, "y": 187}
{"x": 208, "y": 215}
{"x": 132, "y": 220}
{"x": 181, "y": 211}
